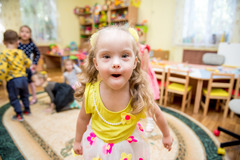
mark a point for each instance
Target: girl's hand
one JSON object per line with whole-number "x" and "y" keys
{"x": 167, "y": 142}
{"x": 77, "y": 148}
{"x": 33, "y": 67}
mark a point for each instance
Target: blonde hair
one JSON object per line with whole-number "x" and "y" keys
{"x": 41, "y": 75}
{"x": 139, "y": 88}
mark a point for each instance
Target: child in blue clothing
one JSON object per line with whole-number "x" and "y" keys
{"x": 13, "y": 66}
{"x": 26, "y": 44}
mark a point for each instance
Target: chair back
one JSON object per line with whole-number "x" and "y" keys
{"x": 213, "y": 59}
{"x": 222, "y": 81}
{"x": 161, "y": 76}
{"x": 178, "y": 76}
{"x": 237, "y": 88}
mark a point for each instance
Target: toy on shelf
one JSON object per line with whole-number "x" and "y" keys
{"x": 54, "y": 50}
{"x": 87, "y": 9}
{"x": 73, "y": 46}
{"x": 103, "y": 16}
{"x": 86, "y": 31}
{"x": 142, "y": 31}
{"x": 78, "y": 10}
{"x": 119, "y": 3}
{"x": 136, "y": 3}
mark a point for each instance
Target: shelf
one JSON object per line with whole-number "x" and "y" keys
{"x": 101, "y": 22}
{"x": 86, "y": 24}
{"x": 118, "y": 20}
{"x": 83, "y": 34}
{"x": 114, "y": 15}
{"x": 119, "y": 8}
{"x": 84, "y": 14}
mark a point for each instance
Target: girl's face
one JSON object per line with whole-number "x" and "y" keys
{"x": 37, "y": 81}
{"x": 115, "y": 59}
{"x": 69, "y": 66}
{"x": 25, "y": 34}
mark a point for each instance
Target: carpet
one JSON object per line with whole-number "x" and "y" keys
{"x": 50, "y": 136}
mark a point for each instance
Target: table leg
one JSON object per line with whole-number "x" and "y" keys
{"x": 198, "y": 95}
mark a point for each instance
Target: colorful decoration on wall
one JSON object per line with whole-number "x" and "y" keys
{"x": 136, "y": 3}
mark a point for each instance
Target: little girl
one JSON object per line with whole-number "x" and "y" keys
{"x": 71, "y": 71}
{"x": 26, "y": 44}
{"x": 116, "y": 101}
{"x": 146, "y": 66}
{"x": 61, "y": 94}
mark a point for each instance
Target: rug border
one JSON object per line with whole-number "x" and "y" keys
{"x": 189, "y": 121}
{"x": 202, "y": 133}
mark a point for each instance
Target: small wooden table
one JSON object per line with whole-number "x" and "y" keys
{"x": 197, "y": 72}
{"x": 56, "y": 61}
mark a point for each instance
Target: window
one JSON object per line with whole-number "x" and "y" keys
{"x": 204, "y": 22}
{"x": 2, "y": 28}
{"x": 41, "y": 17}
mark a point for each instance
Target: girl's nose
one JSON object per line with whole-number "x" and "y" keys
{"x": 116, "y": 63}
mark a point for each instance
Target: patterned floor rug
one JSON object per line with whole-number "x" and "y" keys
{"x": 50, "y": 136}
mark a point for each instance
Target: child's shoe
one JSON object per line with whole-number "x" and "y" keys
{"x": 18, "y": 117}
{"x": 150, "y": 125}
{"x": 27, "y": 113}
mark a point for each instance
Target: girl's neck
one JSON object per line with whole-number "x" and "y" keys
{"x": 25, "y": 41}
{"x": 110, "y": 97}
{"x": 69, "y": 71}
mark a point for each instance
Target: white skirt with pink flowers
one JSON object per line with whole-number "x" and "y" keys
{"x": 133, "y": 148}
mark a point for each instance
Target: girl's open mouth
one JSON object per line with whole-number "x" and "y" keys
{"x": 116, "y": 75}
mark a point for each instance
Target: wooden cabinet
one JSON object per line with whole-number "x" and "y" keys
{"x": 161, "y": 54}
{"x": 195, "y": 56}
{"x": 111, "y": 15}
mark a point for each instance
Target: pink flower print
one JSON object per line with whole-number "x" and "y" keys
{"x": 92, "y": 138}
{"x": 125, "y": 156}
{"x": 127, "y": 118}
{"x": 140, "y": 127}
{"x": 107, "y": 148}
{"x": 140, "y": 158}
{"x": 131, "y": 139}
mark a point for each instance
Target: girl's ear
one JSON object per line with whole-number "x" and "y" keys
{"x": 95, "y": 63}
{"x": 135, "y": 63}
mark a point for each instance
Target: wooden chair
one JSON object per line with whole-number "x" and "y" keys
{"x": 161, "y": 76}
{"x": 179, "y": 80}
{"x": 237, "y": 88}
{"x": 236, "y": 92}
{"x": 216, "y": 90}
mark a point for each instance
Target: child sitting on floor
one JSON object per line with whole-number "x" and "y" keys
{"x": 61, "y": 94}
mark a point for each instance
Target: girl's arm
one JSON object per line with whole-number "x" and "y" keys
{"x": 77, "y": 69}
{"x": 49, "y": 92}
{"x": 82, "y": 122}
{"x": 145, "y": 60}
{"x": 65, "y": 77}
{"x": 37, "y": 56}
{"x": 163, "y": 126}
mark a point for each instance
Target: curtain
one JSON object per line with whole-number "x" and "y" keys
{"x": 205, "y": 22}
{"x": 41, "y": 16}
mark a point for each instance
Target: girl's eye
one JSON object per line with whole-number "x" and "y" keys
{"x": 125, "y": 55}
{"x": 106, "y": 56}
